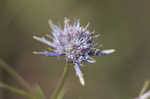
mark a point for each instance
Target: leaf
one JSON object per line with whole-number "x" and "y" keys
{"x": 13, "y": 73}
{"x": 38, "y": 92}
{"x": 16, "y": 91}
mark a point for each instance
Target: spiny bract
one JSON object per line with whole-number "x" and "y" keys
{"x": 73, "y": 41}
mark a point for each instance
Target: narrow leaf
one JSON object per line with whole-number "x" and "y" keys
{"x": 16, "y": 91}
{"x": 38, "y": 92}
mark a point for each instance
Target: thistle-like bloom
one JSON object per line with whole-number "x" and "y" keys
{"x": 74, "y": 42}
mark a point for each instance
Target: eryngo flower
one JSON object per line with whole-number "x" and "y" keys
{"x": 73, "y": 41}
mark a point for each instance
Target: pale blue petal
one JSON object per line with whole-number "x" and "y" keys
{"x": 86, "y": 27}
{"x": 105, "y": 52}
{"x": 43, "y": 40}
{"x": 46, "y": 53}
{"x": 79, "y": 74}
{"x": 91, "y": 60}
{"x": 77, "y": 23}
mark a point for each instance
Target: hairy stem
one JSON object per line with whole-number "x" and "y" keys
{"x": 61, "y": 82}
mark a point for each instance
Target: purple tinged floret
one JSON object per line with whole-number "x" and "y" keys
{"x": 75, "y": 42}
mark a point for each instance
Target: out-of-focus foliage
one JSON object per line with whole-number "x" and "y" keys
{"x": 123, "y": 25}
{"x": 16, "y": 91}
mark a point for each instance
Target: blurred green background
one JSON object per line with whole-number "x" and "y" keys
{"x": 123, "y": 24}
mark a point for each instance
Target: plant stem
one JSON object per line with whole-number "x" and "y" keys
{"x": 61, "y": 82}
{"x": 8, "y": 68}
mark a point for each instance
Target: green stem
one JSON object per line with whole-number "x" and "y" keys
{"x": 8, "y": 68}
{"x": 61, "y": 82}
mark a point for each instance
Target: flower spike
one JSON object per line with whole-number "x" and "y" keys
{"x": 73, "y": 41}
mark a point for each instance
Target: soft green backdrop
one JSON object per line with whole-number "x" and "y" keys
{"x": 123, "y": 24}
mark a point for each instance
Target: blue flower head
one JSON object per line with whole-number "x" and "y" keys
{"x": 73, "y": 41}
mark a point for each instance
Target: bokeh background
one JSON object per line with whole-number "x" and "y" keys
{"x": 123, "y": 24}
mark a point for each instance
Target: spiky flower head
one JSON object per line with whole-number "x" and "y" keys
{"x": 73, "y": 41}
